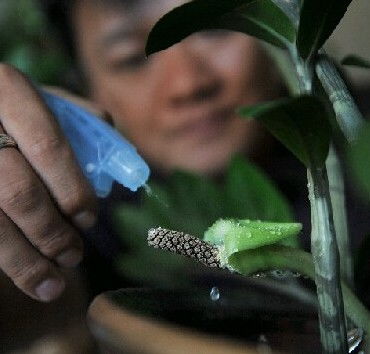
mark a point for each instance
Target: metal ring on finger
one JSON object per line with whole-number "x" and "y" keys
{"x": 7, "y": 141}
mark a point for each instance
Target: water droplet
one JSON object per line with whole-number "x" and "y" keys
{"x": 214, "y": 294}
{"x": 263, "y": 346}
{"x": 259, "y": 275}
{"x": 262, "y": 339}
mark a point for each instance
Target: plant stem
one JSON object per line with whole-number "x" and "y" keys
{"x": 348, "y": 116}
{"x": 326, "y": 262}
{"x": 349, "y": 119}
{"x": 336, "y": 188}
{"x": 324, "y": 246}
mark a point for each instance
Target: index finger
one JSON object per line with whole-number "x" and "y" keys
{"x": 25, "y": 116}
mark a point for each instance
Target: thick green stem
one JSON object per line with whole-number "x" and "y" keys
{"x": 348, "y": 116}
{"x": 336, "y": 187}
{"x": 324, "y": 246}
{"x": 349, "y": 119}
{"x": 326, "y": 261}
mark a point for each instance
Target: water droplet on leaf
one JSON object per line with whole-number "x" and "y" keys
{"x": 214, "y": 294}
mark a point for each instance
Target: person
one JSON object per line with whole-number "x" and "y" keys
{"x": 177, "y": 107}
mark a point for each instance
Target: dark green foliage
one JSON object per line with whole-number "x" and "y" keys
{"x": 26, "y": 42}
{"x": 190, "y": 203}
{"x": 259, "y": 18}
{"x": 362, "y": 267}
{"x": 318, "y": 20}
{"x": 359, "y": 158}
{"x": 354, "y": 60}
{"x": 250, "y": 194}
{"x": 300, "y": 123}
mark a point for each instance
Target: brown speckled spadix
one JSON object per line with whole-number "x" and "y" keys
{"x": 184, "y": 244}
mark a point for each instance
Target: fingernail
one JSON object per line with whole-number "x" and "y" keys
{"x": 85, "y": 219}
{"x": 50, "y": 289}
{"x": 70, "y": 258}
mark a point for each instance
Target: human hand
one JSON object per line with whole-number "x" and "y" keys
{"x": 44, "y": 196}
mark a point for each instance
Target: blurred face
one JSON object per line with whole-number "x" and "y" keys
{"x": 178, "y": 106}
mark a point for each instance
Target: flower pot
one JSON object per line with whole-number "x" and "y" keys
{"x": 249, "y": 316}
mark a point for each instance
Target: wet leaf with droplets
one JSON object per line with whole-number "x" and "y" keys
{"x": 235, "y": 236}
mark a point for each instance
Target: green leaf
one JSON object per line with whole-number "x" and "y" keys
{"x": 359, "y": 158}
{"x": 300, "y": 123}
{"x": 263, "y": 20}
{"x": 259, "y": 18}
{"x": 26, "y": 42}
{"x": 197, "y": 199}
{"x": 318, "y": 19}
{"x": 127, "y": 218}
{"x": 194, "y": 16}
{"x": 247, "y": 191}
{"x": 240, "y": 235}
{"x": 354, "y": 60}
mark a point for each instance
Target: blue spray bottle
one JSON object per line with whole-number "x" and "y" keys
{"x": 103, "y": 154}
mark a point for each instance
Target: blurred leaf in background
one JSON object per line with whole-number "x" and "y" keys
{"x": 359, "y": 160}
{"x": 26, "y": 41}
{"x": 190, "y": 203}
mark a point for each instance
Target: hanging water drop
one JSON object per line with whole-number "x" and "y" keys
{"x": 262, "y": 339}
{"x": 214, "y": 294}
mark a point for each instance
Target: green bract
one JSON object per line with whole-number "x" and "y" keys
{"x": 234, "y": 236}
